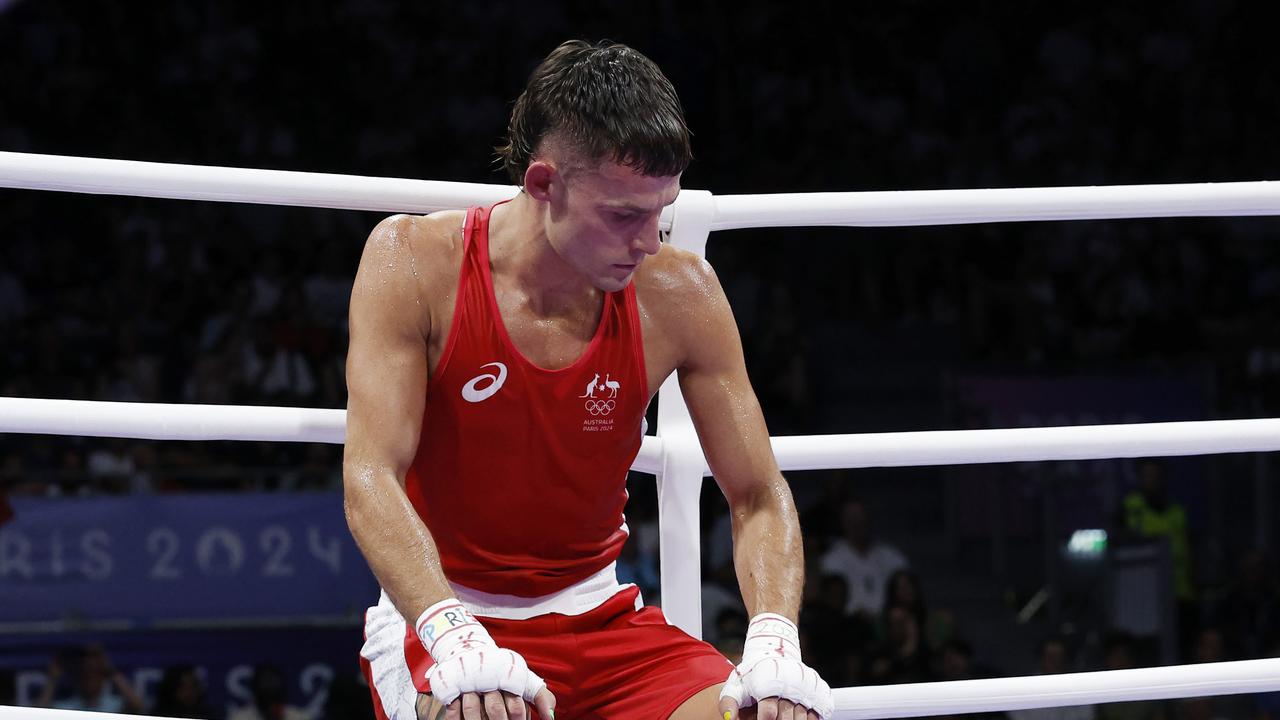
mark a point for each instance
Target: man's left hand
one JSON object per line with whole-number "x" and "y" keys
{"x": 773, "y": 677}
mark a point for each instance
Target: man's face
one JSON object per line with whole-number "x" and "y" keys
{"x": 604, "y": 221}
{"x": 854, "y": 522}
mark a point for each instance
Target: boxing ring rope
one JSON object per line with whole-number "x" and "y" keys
{"x": 158, "y": 421}
{"x": 902, "y": 208}
{"x": 994, "y": 695}
{"x": 675, "y": 456}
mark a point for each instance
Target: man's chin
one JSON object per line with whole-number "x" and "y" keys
{"x": 613, "y": 284}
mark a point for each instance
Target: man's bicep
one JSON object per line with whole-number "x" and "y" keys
{"x": 717, "y": 389}
{"x": 387, "y": 353}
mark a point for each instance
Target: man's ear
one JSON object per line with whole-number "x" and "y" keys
{"x": 540, "y": 179}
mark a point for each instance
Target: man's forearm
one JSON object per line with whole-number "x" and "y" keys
{"x": 394, "y": 540}
{"x": 768, "y": 552}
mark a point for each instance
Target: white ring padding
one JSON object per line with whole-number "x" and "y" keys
{"x": 963, "y": 207}
{"x": 224, "y": 184}
{"x": 1074, "y": 442}
{"x": 974, "y": 696}
{"x": 17, "y": 713}
{"x": 902, "y": 208}
{"x": 800, "y": 452}
{"x": 158, "y": 421}
{"x": 1041, "y": 691}
{"x": 155, "y": 421}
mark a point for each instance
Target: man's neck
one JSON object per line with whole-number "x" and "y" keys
{"x": 521, "y": 253}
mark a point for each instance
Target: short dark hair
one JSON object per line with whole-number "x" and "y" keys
{"x": 608, "y": 101}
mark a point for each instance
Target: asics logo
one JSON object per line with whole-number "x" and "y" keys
{"x": 473, "y": 395}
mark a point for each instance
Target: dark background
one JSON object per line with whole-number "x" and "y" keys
{"x": 845, "y": 330}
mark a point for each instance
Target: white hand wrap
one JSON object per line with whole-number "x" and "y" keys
{"x": 467, "y": 659}
{"x": 771, "y": 667}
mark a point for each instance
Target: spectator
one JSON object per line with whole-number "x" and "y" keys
{"x": 1119, "y": 651}
{"x": 270, "y": 701}
{"x": 1210, "y": 647}
{"x": 1055, "y": 658}
{"x": 865, "y": 563}
{"x": 1249, "y": 610}
{"x": 98, "y": 687}
{"x": 955, "y": 660}
{"x": 181, "y": 694}
{"x": 834, "y": 637}
{"x": 903, "y": 656}
{"x": 903, "y": 589}
{"x": 1148, "y": 513}
{"x": 349, "y": 699}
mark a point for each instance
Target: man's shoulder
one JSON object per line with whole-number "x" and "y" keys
{"x": 674, "y": 270}
{"x": 429, "y": 235}
{"x": 426, "y": 247}
{"x": 676, "y": 280}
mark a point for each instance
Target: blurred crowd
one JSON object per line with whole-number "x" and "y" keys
{"x": 155, "y": 301}
{"x": 84, "y": 678}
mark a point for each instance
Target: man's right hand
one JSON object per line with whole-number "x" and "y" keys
{"x": 473, "y": 678}
{"x": 487, "y": 682}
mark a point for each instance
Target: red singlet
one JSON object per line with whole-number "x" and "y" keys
{"x": 521, "y": 471}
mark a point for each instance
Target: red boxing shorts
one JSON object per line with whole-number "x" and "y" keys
{"x": 613, "y": 662}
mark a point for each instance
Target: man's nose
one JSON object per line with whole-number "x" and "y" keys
{"x": 648, "y": 241}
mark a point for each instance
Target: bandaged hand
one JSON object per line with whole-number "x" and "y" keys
{"x": 468, "y": 661}
{"x": 771, "y": 674}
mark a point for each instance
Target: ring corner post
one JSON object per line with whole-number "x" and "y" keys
{"x": 679, "y": 529}
{"x": 680, "y": 477}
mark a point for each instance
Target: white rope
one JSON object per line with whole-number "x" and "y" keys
{"x": 160, "y": 421}
{"x": 223, "y": 184}
{"x": 802, "y": 452}
{"x": 794, "y": 452}
{"x": 155, "y": 421}
{"x": 16, "y": 713}
{"x": 1078, "y": 442}
{"x": 1092, "y": 688}
{"x": 985, "y": 696}
{"x": 960, "y": 207}
{"x": 906, "y": 208}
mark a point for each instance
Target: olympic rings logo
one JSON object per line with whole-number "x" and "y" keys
{"x": 600, "y": 407}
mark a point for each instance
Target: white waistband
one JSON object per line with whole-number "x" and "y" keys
{"x": 581, "y": 597}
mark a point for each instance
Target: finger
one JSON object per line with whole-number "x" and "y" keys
{"x": 472, "y": 706}
{"x": 546, "y": 704}
{"x": 786, "y": 709}
{"x": 516, "y": 709}
{"x": 813, "y": 715}
{"x": 495, "y": 706}
{"x": 728, "y": 708}
{"x": 800, "y": 712}
{"x": 454, "y": 710}
{"x": 767, "y": 709}
{"x": 426, "y": 707}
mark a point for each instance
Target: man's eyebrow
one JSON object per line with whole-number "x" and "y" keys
{"x": 639, "y": 209}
